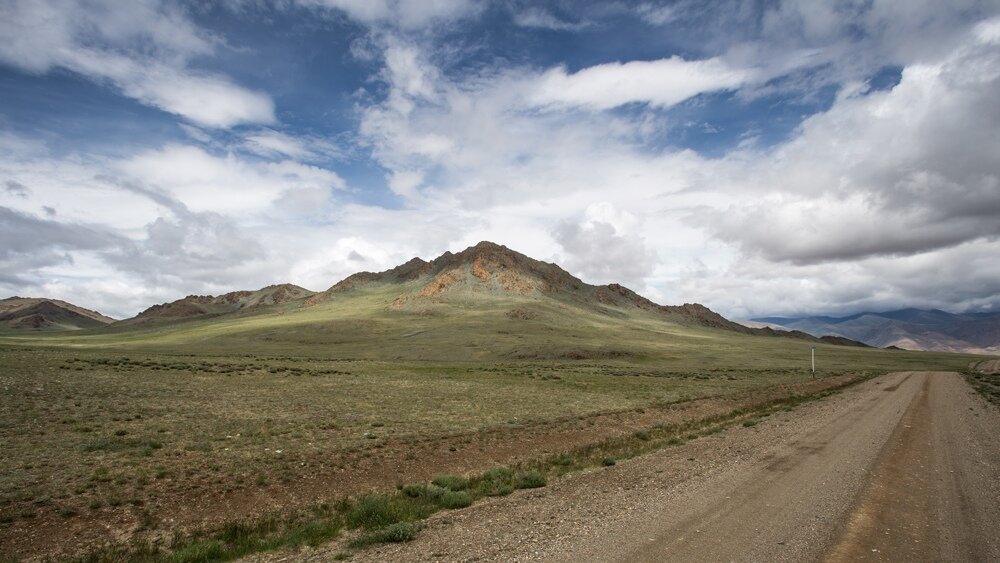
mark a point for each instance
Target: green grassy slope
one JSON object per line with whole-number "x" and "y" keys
{"x": 485, "y": 304}
{"x": 481, "y": 328}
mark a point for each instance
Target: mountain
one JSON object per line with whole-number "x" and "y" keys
{"x": 911, "y": 329}
{"x": 488, "y": 271}
{"x": 481, "y": 270}
{"x": 424, "y": 307}
{"x": 199, "y": 306}
{"x": 27, "y": 313}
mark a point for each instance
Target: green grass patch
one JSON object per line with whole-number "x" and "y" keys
{"x": 531, "y": 480}
{"x": 378, "y": 511}
{"x": 986, "y": 384}
{"x": 394, "y": 533}
{"x": 455, "y": 499}
{"x": 451, "y": 482}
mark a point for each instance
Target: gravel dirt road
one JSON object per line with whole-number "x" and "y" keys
{"x": 900, "y": 468}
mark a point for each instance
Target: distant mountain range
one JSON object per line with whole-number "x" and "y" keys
{"x": 462, "y": 283}
{"x": 911, "y": 329}
{"x": 195, "y": 306}
{"x": 47, "y": 314}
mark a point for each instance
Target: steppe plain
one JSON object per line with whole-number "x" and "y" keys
{"x": 329, "y": 430}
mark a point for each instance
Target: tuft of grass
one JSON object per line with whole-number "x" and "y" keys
{"x": 455, "y": 499}
{"x": 423, "y": 492}
{"x": 530, "y": 480}
{"x": 564, "y": 460}
{"x": 608, "y": 461}
{"x": 312, "y": 533}
{"x": 986, "y": 384}
{"x": 394, "y": 533}
{"x": 499, "y": 473}
{"x": 497, "y": 482}
{"x": 451, "y": 482}
{"x": 378, "y": 511}
{"x": 200, "y": 552}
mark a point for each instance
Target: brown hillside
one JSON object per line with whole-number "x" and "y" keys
{"x": 47, "y": 314}
{"x": 196, "y": 306}
{"x": 490, "y": 270}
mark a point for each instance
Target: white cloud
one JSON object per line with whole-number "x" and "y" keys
{"x": 880, "y": 175}
{"x": 604, "y": 248}
{"x": 272, "y": 143}
{"x": 656, "y": 14}
{"x": 663, "y": 82}
{"x": 405, "y": 183}
{"x": 141, "y": 48}
{"x": 226, "y": 184}
{"x": 171, "y": 221}
{"x": 895, "y": 172}
{"x": 405, "y": 14}
{"x": 540, "y": 18}
{"x": 852, "y": 211}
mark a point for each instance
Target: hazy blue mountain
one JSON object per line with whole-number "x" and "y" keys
{"x": 913, "y": 329}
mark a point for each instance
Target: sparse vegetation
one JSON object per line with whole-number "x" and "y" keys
{"x": 451, "y": 482}
{"x": 986, "y": 384}
{"x": 455, "y": 499}
{"x": 395, "y": 533}
{"x": 378, "y": 511}
{"x": 531, "y": 480}
{"x": 136, "y": 422}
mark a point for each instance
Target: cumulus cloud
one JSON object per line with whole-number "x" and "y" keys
{"x": 143, "y": 49}
{"x": 881, "y": 176}
{"x": 864, "y": 198}
{"x": 603, "y": 246}
{"x": 964, "y": 278}
{"x": 165, "y": 222}
{"x": 898, "y": 172}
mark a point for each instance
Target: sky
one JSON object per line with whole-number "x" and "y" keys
{"x": 760, "y": 157}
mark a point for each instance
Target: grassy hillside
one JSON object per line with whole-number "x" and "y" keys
{"x": 360, "y": 325}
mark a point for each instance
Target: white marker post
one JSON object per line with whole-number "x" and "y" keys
{"x": 814, "y": 361}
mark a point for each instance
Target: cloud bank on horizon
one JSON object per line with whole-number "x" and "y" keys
{"x": 772, "y": 158}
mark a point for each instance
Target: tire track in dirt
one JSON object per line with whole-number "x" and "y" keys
{"x": 933, "y": 495}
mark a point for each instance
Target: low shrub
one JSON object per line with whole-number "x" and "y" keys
{"x": 395, "y": 533}
{"x": 378, "y": 511}
{"x": 530, "y": 480}
{"x": 455, "y": 499}
{"x": 451, "y": 482}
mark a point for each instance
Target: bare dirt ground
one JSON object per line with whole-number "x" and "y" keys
{"x": 905, "y": 467}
